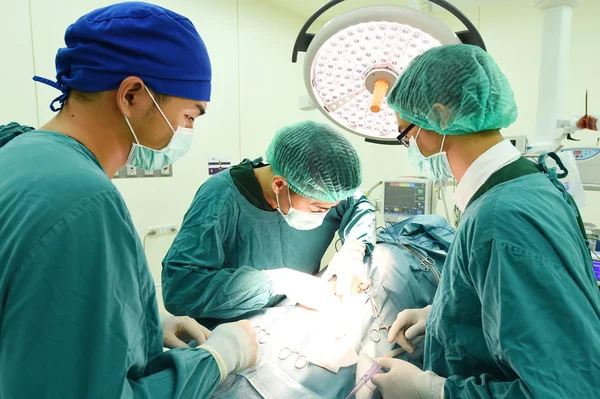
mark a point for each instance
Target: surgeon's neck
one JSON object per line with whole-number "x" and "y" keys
{"x": 265, "y": 176}
{"x": 98, "y": 127}
{"x": 464, "y": 150}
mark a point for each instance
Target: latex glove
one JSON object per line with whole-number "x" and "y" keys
{"x": 234, "y": 347}
{"x": 349, "y": 268}
{"x": 302, "y": 288}
{"x": 177, "y": 331}
{"x": 406, "y": 381}
{"x": 409, "y": 324}
{"x": 587, "y": 122}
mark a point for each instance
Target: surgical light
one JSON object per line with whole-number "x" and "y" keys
{"x": 353, "y": 62}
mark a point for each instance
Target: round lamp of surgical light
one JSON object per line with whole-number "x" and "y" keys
{"x": 354, "y": 60}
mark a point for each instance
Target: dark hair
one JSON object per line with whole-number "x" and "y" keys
{"x": 90, "y": 97}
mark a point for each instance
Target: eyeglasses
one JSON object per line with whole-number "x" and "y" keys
{"x": 402, "y": 136}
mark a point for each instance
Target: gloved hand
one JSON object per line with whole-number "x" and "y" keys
{"x": 234, "y": 347}
{"x": 409, "y": 324}
{"x": 348, "y": 266}
{"x": 406, "y": 381}
{"x": 177, "y": 331}
{"x": 302, "y": 288}
{"x": 587, "y": 122}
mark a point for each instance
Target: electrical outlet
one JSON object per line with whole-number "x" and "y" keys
{"x": 163, "y": 230}
{"x": 148, "y": 173}
{"x": 170, "y": 229}
{"x": 131, "y": 171}
{"x": 156, "y": 230}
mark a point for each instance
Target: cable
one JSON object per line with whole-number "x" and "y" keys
{"x": 336, "y": 243}
{"x": 150, "y": 233}
{"x": 379, "y": 183}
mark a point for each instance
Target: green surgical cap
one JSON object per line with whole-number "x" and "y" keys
{"x": 317, "y": 161}
{"x": 455, "y": 89}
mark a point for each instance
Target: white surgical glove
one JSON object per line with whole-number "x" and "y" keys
{"x": 234, "y": 347}
{"x": 348, "y": 265}
{"x": 409, "y": 324}
{"x": 302, "y": 288}
{"x": 177, "y": 331}
{"x": 406, "y": 381}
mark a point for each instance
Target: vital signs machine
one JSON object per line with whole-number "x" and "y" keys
{"x": 405, "y": 197}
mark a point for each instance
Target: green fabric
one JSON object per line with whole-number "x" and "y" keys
{"x": 214, "y": 267}
{"x": 317, "y": 161}
{"x": 245, "y": 181}
{"x": 465, "y": 80}
{"x": 517, "y": 311}
{"x": 12, "y": 130}
{"x": 523, "y": 167}
{"x": 518, "y": 168}
{"x": 78, "y": 312}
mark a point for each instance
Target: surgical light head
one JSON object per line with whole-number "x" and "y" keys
{"x": 352, "y": 63}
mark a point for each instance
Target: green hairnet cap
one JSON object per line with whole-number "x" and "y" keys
{"x": 317, "y": 161}
{"x": 455, "y": 89}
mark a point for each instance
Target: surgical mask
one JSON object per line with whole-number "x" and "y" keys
{"x": 301, "y": 220}
{"x": 150, "y": 159}
{"x": 435, "y": 167}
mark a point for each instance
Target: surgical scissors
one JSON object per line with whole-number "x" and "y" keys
{"x": 302, "y": 360}
{"x": 263, "y": 335}
{"x": 426, "y": 262}
{"x": 375, "y": 332}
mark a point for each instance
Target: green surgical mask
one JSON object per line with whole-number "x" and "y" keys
{"x": 435, "y": 167}
{"x": 150, "y": 159}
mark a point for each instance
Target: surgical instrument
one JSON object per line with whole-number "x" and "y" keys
{"x": 302, "y": 360}
{"x": 426, "y": 262}
{"x": 263, "y": 335}
{"x": 373, "y": 370}
{"x": 375, "y": 332}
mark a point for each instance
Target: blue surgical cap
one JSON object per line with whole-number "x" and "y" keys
{"x": 109, "y": 44}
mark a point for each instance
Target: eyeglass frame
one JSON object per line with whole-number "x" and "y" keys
{"x": 402, "y": 135}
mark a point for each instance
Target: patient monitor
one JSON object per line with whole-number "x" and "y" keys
{"x": 406, "y": 197}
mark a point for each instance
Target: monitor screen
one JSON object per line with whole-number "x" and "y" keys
{"x": 404, "y": 198}
{"x": 596, "y": 265}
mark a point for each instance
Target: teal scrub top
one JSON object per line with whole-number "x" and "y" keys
{"x": 517, "y": 312}
{"x": 247, "y": 184}
{"x": 213, "y": 270}
{"x": 78, "y": 311}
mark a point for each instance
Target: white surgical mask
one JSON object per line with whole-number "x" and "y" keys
{"x": 150, "y": 159}
{"x": 301, "y": 220}
{"x": 435, "y": 167}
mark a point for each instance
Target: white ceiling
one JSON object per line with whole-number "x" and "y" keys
{"x": 305, "y": 8}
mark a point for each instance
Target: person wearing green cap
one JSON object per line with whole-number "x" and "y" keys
{"x": 259, "y": 230}
{"x": 78, "y": 310}
{"x": 518, "y": 281}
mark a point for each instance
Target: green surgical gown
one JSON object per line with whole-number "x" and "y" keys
{"x": 78, "y": 312}
{"x": 213, "y": 269}
{"x": 517, "y": 312}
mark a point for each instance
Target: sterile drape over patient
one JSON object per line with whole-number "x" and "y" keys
{"x": 399, "y": 282}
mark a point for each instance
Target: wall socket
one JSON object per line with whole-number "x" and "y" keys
{"x": 131, "y": 172}
{"x": 163, "y": 230}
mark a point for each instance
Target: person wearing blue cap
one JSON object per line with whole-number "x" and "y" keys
{"x": 258, "y": 231}
{"x": 78, "y": 310}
